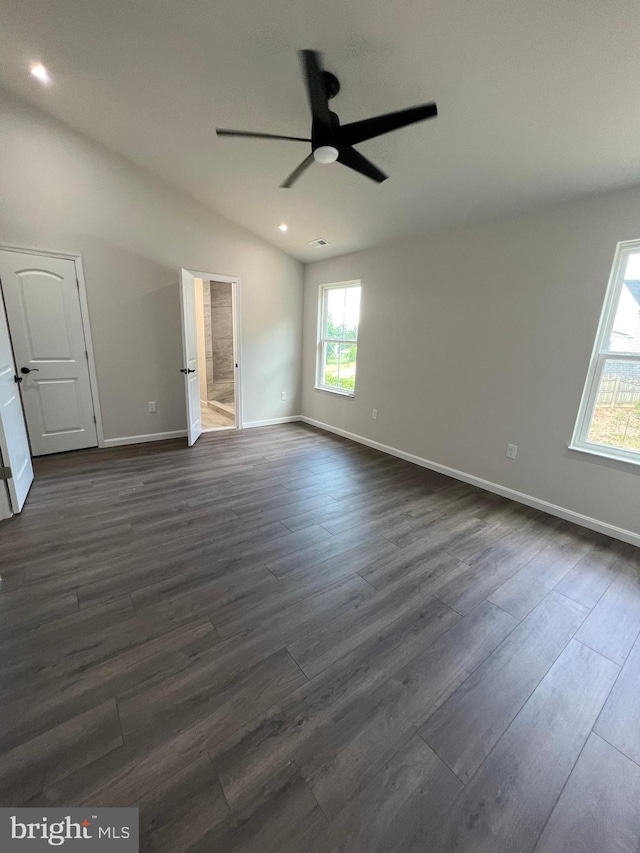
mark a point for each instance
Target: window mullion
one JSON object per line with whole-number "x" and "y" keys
{"x": 620, "y": 356}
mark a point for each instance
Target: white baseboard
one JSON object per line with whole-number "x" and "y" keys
{"x": 288, "y": 420}
{"x": 528, "y": 500}
{"x": 141, "y": 439}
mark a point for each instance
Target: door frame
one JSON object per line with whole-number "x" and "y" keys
{"x": 234, "y": 281}
{"x": 86, "y": 325}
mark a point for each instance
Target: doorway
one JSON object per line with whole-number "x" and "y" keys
{"x": 209, "y": 310}
{"x": 47, "y": 318}
{"x": 216, "y": 353}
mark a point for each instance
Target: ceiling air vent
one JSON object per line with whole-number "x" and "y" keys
{"x": 319, "y": 243}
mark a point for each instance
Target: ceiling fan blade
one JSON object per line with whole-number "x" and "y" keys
{"x": 354, "y": 160}
{"x": 316, "y": 90}
{"x": 293, "y": 177}
{"x": 249, "y": 133}
{"x": 359, "y": 131}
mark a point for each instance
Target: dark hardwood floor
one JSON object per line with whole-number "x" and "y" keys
{"x": 282, "y": 641}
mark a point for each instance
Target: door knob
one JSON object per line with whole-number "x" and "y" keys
{"x": 29, "y": 369}
{"x": 186, "y": 370}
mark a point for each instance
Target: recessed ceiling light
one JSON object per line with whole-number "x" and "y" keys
{"x": 283, "y": 226}
{"x": 40, "y": 73}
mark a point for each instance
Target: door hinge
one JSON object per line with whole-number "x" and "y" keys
{"x": 5, "y": 472}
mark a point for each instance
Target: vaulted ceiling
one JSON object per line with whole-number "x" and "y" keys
{"x": 538, "y": 102}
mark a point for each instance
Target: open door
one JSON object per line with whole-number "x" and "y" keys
{"x": 190, "y": 355}
{"x": 14, "y": 445}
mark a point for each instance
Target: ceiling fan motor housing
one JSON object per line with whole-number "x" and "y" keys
{"x": 331, "y": 84}
{"x": 323, "y": 135}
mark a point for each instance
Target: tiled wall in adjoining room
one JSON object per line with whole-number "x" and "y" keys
{"x": 218, "y": 319}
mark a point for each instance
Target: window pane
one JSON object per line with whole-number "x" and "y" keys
{"x": 625, "y": 334}
{"x": 335, "y": 313}
{"x": 347, "y": 367}
{"x": 351, "y": 313}
{"x": 616, "y": 415}
{"x": 330, "y": 365}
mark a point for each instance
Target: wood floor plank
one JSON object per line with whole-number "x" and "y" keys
{"x": 180, "y": 811}
{"x": 592, "y": 574}
{"x": 495, "y": 564}
{"x": 272, "y": 739}
{"x": 282, "y": 818}
{"x": 69, "y": 687}
{"x": 619, "y": 722}
{"x": 343, "y": 632}
{"x": 468, "y": 725}
{"x": 27, "y": 617}
{"x": 307, "y": 557}
{"x": 27, "y": 770}
{"x": 614, "y": 623}
{"x": 128, "y": 773}
{"x": 62, "y": 636}
{"x": 506, "y": 805}
{"x": 232, "y": 615}
{"x": 403, "y": 799}
{"x": 526, "y": 589}
{"x": 598, "y": 810}
{"x": 207, "y": 688}
{"x": 339, "y": 757}
{"x": 356, "y": 560}
{"x": 420, "y": 561}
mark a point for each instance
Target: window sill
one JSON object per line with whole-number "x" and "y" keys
{"x": 337, "y": 391}
{"x": 605, "y": 452}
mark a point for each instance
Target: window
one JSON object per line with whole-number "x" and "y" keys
{"x": 338, "y": 337}
{"x": 609, "y": 417}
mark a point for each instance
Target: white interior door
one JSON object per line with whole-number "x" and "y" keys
{"x": 14, "y": 444}
{"x": 43, "y": 310}
{"x": 190, "y": 355}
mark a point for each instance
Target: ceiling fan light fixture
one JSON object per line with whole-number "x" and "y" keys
{"x": 325, "y": 154}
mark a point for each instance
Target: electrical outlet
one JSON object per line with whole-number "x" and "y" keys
{"x": 512, "y": 451}
{"x": 152, "y": 406}
{"x": 283, "y": 395}
{"x": 374, "y": 414}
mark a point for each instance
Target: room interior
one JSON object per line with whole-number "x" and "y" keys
{"x": 385, "y": 601}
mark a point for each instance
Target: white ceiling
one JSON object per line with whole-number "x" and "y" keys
{"x": 539, "y": 101}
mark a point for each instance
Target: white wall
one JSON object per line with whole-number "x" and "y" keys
{"x": 61, "y": 192}
{"x": 481, "y": 335}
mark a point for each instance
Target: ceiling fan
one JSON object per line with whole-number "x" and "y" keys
{"x": 331, "y": 141}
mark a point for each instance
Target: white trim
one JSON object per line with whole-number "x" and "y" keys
{"x": 528, "y": 500}
{"x": 323, "y": 297}
{"x": 93, "y": 376}
{"x": 142, "y": 439}
{"x": 606, "y": 452}
{"x": 332, "y": 390}
{"x": 86, "y": 325}
{"x": 271, "y": 421}
{"x": 599, "y": 357}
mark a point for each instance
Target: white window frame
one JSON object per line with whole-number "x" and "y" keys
{"x": 323, "y": 292}
{"x": 600, "y": 355}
